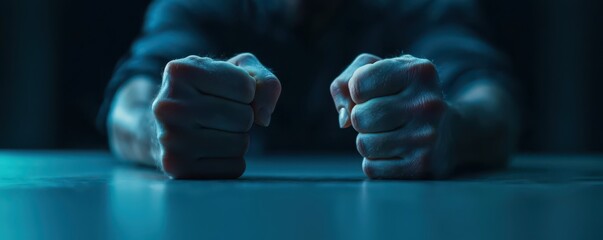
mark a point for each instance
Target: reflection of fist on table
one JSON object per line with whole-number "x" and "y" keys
{"x": 204, "y": 111}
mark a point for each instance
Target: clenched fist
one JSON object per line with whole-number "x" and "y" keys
{"x": 204, "y": 111}
{"x": 396, "y": 105}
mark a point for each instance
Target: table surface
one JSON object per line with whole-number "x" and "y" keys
{"x": 89, "y": 195}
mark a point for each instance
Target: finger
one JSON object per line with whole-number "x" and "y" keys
{"x": 204, "y": 111}
{"x": 268, "y": 87}
{"x": 210, "y": 77}
{"x": 341, "y": 92}
{"x": 395, "y": 144}
{"x": 381, "y": 114}
{"x": 387, "y": 113}
{"x": 412, "y": 166}
{"x": 389, "y": 77}
{"x": 203, "y": 143}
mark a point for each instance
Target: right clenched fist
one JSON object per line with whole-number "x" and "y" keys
{"x": 204, "y": 111}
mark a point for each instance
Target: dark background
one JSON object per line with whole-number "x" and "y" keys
{"x": 57, "y": 57}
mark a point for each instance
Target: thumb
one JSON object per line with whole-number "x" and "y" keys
{"x": 341, "y": 92}
{"x": 268, "y": 87}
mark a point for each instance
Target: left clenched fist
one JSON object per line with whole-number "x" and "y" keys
{"x": 396, "y": 106}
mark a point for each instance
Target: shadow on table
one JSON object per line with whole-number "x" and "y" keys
{"x": 317, "y": 179}
{"x": 533, "y": 174}
{"x": 526, "y": 172}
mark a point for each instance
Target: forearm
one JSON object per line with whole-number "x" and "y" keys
{"x": 130, "y": 125}
{"x": 483, "y": 124}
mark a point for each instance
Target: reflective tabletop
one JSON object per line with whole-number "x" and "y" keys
{"x": 89, "y": 195}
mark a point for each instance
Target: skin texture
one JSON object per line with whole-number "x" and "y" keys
{"x": 196, "y": 124}
{"x": 407, "y": 129}
{"x": 200, "y": 118}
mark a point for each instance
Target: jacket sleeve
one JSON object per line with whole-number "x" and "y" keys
{"x": 172, "y": 29}
{"x": 452, "y": 34}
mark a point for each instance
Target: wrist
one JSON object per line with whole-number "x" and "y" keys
{"x": 445, "y": 154}
{"x": 131, "y": 124}
{"x": 480, "y": 124}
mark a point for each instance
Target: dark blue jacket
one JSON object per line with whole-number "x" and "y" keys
{"x": 308, "y": 46}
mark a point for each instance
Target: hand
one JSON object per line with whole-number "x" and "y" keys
{"x": 396, "y": 105}
{"x": 204, "y": 111}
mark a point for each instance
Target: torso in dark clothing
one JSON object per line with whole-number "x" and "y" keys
{"x": 305, "y": 52}
{"x": 306, "y": 59}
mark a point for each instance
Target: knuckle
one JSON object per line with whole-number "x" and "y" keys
{"x": 184, "y": 67}
{"x": 272, "y": 84}
{"x": 370, "y": 146}
{"x": 387, "y": 66}
{"x": 361, "y": 145}
{"x": 192, "y": 58}
{"x": 242, "y": 82}
{"x": 336, "y": 87}
{"x": 355, "y": 118}
{"x": 363, "y": 117}
{"x": 386, "y": 63}
{"x": 277, "y": 86}
{"x": 163, "y": 109}
{"x": 354, "y": 87}
{"x": 366, "y": 70}
{"x": 426, "y": 66}
{"x": 380, "y": 169}
{"x": 197, "y": 60}
{"x": 221, "y": 66}
{"x": 370, "y": 170}
{"x": 406, "y": 57}
{"x": 173, "y": 67}
{"x": 394, "y": 169}
{"x": 244, "y": 58}
{"x": 272, "y": 79}
{"x": 423, "y": 70}
{"x": 362, "y": 74}
{"x": 367, "y": 57}
{"x": 246, "y": 55}
{"x": 159, "y": 110}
